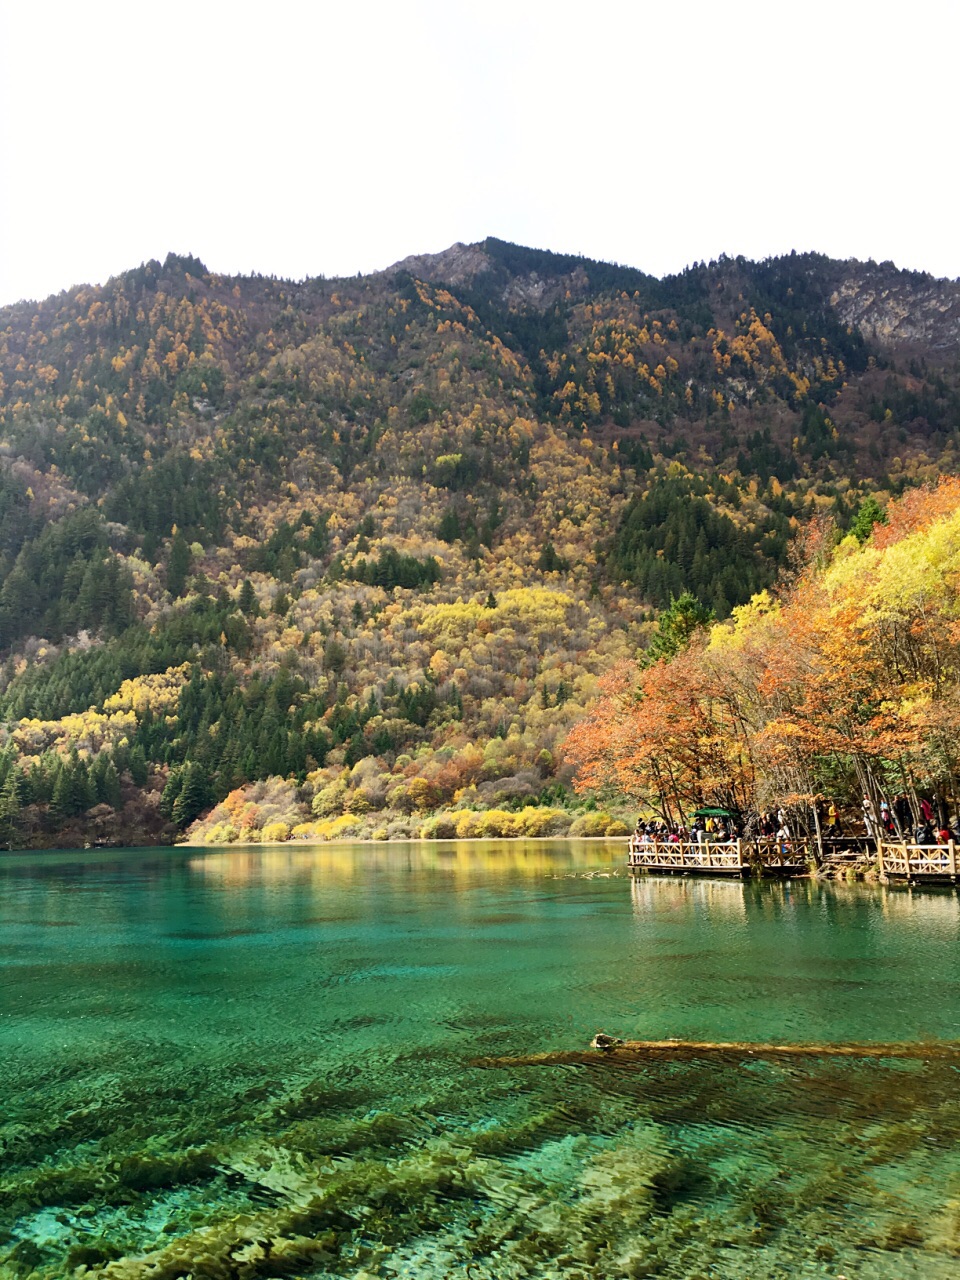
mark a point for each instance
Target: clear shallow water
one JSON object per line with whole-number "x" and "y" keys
{"x": 262, "y": 1063}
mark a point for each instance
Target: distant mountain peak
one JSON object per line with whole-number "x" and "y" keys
{"x": 516, "y": 276}
{"x": 460, "y": 264}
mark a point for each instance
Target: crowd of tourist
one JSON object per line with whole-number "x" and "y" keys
{"x": 709, "y": 829}
{"x": 923, "y": 822}
{"x": 919, "y": 821}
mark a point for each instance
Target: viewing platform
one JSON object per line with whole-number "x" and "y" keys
{"x": 896, "y": 862}
{"x": 722, "y": 857}
{"x": 918, "y": 863}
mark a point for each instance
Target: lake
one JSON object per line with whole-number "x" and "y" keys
{"x": 263, "y": 1062}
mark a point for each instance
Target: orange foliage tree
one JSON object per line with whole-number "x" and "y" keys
{"x": 849, "y": 685}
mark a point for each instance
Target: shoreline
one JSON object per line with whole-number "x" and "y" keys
{"x": 318, "y": 844}
{"x": 865, "y": 875}
{"x": 393, "y": 840}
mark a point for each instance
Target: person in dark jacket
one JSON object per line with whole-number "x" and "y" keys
{"x": 902, "y": 813}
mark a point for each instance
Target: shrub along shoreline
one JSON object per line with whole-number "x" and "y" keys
{"x": 244, "y": 825}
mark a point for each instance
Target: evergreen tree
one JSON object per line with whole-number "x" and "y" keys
{"x": 40, "y": 780}
{"x": 82, "y": 794}
{"x": 193, "y": 796}
{"x": 10, "y": 809}
{"x": 677, "y": 625}
{"x": 448, "y": 530}
{"x": 61, "y": 798}
{"x": 178, "y": 565}
{"x": 549, "y": 561}
{"x": 171, "y": 792}
{"x": 137, "y": 766}
{"x": 106, "y": 781}
{"x": 868, "y": 514}
{"x": 247, "y": 600}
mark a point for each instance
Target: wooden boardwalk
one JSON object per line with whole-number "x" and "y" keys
{"x": 896, "y": 862}
{"x": 719, "y": 858}
{"x": 918, "y": 863}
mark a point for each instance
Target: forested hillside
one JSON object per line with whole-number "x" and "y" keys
{"x": 846, "y": 684}
{"x": 349, "y": 556}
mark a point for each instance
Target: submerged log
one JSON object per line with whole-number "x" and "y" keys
{"x": 605, "y": 1049}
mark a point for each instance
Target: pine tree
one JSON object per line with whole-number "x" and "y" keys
{"x": 61, "y": 799}
{"x": 138, "y": 767}
{"x": 82, "y": 794}
{"x": 677, "y": 625}
{"x": 178, "y": 565}
{"x": 10, "y": 809}
{"x": 868, "y": 514}
{"x": 109, "y": 791}
{"x": 171, "y": 792}
{"x": 194, "y": 795}
{"x": 247, "y": 600}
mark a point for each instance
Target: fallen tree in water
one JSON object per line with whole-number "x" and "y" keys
{"x": 606, "y": 1048}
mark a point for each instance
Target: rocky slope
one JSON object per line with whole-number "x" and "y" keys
{"x": 898, "y": 308}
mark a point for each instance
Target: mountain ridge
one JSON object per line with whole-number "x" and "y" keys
{"x": 383, "y": 525}
{"x": 878, "y": 297}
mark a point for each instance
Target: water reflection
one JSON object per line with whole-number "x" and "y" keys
{"x": 348, "y": 863}
{"x": 650, "y": 895}
{"x": 208, "y": 1054}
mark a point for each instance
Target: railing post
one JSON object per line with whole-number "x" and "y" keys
{"x": 739, "y": 853}
{"x": 880, "y": 859}
{"x": 952, "y": 850}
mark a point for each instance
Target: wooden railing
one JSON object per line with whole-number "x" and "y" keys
{"x": 900, "y": 861}
{"x": 918, "y": 861}
{"x": 728, "y": 856}
{"x": 770, "y": 853}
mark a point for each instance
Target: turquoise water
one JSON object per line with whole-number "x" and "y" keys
{"x": 263, "y": 1062}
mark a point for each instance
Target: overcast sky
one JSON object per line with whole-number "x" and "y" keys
{"x": 330, "y": 138}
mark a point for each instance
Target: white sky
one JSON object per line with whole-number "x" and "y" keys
{"x": 330, "y": 138}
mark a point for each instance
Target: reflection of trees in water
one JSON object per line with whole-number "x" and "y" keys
{"x": 352, "y": 863}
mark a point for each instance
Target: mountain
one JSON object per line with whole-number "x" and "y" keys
{"x": 355, "y": 552}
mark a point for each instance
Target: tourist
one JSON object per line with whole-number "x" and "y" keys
{"x": 887, "y": 820}
{"x": 923, "y": 834}
{"x": 834, "y": 826}
{"x": 869, "y": 817}
{"x": 903, "y": 813}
